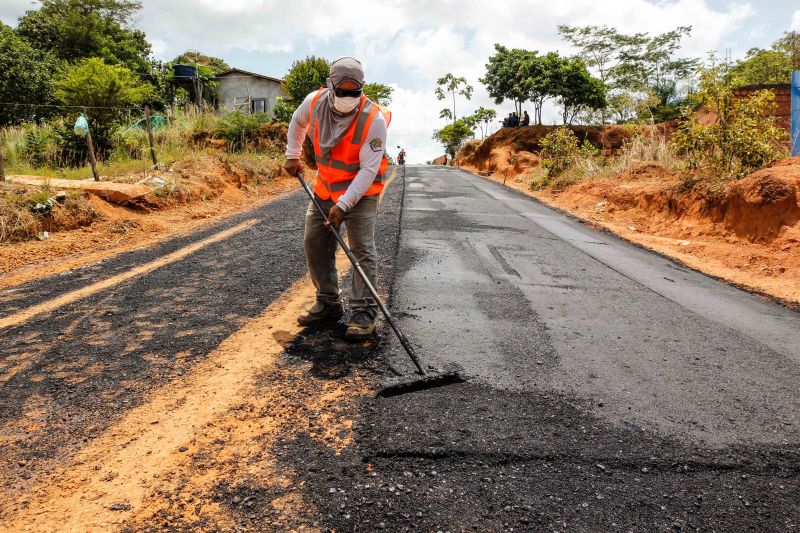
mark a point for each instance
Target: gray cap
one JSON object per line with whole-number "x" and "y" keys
{"x": 347, "y": 69}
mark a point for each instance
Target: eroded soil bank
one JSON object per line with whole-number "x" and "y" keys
{"x": 746, "y": 232}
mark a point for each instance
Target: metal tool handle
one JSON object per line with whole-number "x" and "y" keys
{"x": 403, "y": 339}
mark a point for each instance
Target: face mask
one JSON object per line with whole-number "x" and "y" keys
{"x": 345, "y": 104}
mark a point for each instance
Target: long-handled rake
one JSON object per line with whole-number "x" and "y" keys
{"x": 424, "y": 378}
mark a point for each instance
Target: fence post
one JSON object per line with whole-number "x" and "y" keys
{"x": 2, "y": 163}
{"x": 90, "y": 145}
{"x": 796, "y": 112}
{"x": 149, "y": 129}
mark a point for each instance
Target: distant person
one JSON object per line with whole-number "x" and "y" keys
{"x": 514, "y": 120}
{"x": 401, "y": 157}
{"x": 526, "y": 119}
{"x": 508, "y": 121}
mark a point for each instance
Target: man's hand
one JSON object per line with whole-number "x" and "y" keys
{"x": 335, "y": 217}
{"x": 293, "y": 167}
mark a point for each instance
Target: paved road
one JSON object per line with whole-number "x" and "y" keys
{"x": 542, "y": 302}
{"x": 610, "y": 389}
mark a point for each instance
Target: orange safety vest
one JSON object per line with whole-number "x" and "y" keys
{"x": 336, "y": 171}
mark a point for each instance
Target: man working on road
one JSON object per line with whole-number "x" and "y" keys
{"x": 348, "y": 132}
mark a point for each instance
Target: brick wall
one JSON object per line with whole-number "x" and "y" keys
{"x": 783, "y": 100}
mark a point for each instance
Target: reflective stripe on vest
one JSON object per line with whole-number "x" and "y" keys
{"x": 341, "y": 186}
{"x": 337, "y": 168}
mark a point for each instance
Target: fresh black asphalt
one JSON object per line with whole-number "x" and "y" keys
{"x": 610, "y": 389}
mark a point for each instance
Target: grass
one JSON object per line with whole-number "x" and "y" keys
{"x": 645, "y": 146}
{"x": 36, "y": 151}
{"x": 26, "y": 212}
{"x": 250, "y": 146}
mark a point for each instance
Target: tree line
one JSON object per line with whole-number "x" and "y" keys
{"x": 65, "y": 55}
{"x": 614, "y": 77}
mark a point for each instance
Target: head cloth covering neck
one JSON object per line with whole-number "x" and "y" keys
{"x": 332, "y": 124}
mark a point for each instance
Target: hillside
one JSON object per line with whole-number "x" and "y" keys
{"x": 745, "y": 231}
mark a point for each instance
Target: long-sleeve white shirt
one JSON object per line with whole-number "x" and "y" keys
{"x": 369, "y": 158}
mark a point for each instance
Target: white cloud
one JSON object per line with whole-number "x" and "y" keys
{"x": 410, "y": 43}
{"x": 796, "y": 21}
{"x": 10, "y": 10}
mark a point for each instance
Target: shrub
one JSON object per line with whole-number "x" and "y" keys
{"x": 559, "y": 149}
{"x": 282, "y": 111}
{"x": 239, "y": 129}
{"x": 744, "y": 135}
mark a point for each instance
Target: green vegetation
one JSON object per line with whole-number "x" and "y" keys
{"x": 71, "y": 30}
{"x": 481, "y": 119}
{"x": 744, "y": 135}
{"x": 525, "y": 76}
{"x": 378, "y": 93}
{"x": 559, "y": 150}
{"x": 305, "y": 76}
{"x": 24, "y": 77}
{"x": 637, "y": 67}
{"x": 93, "y": 83}
{"x": 453, "y": 136}
{"x": 452, "y": 85}
{"x": 770, "y": 66}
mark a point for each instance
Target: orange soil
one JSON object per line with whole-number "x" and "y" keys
{"x": 214, "y": 190}
{"x": 746, "y": 232}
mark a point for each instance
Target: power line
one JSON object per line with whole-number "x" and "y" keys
{"x": 22, "y": 104}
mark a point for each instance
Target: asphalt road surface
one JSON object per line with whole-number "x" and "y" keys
{"x": 610, "y": 388}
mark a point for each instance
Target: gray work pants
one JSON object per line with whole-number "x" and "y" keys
{"x": 320, "y": 244}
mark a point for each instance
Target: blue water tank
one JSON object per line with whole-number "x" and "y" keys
{"x": 184, "y": 71}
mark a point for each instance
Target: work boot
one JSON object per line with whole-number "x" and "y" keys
{"x": 360, "y": 327}
{"x": 319, "y": 312}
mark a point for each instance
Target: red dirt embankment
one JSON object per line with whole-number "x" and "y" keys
{"x": 745, "y": 231}
{"x": 496, "y": 151}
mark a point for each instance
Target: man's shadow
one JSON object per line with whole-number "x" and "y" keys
{"x": 330, "y": 355}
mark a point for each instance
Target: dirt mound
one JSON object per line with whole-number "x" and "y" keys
{"x": 764, "y": 205}
{"x": 747, "y": 231}
{"x": 761, "y": 208}
{"x": 264, "y": 137}
{"x": 529, "y": 138}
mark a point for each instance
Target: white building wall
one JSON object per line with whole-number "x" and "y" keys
{"x": 236, "y": 87}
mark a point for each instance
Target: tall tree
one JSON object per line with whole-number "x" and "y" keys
{"x": 215, "y": 64}
{"x": 602, "y": 47}
{"x": 304, "y": 77}
{"x": 503, "y": 78}
{"x": 451, "y": 85}
{"x": 763, "y": 67}
{"x": 481, "y": 119}
{"x": 70, "y": 30}
{"x": 378, "y": 93}
{"x": 789, "y": 44}
{"x": 540, "y": 79}
{"x": 453, "y": 136}
{"x": 577, "y": 90}
{"x": 24, "y": 79}
{"x": 652, "y": 63}
{"x": 646, "y": 66}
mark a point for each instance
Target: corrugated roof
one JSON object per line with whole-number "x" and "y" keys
{"x": 246, "y": 73}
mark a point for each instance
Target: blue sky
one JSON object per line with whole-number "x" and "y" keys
{"x": 410, "y": 43}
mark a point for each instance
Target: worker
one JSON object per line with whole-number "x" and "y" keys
{"x": 348, "y": 132}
